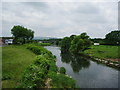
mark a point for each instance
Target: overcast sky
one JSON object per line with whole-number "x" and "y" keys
{"x": 60, "y": 19}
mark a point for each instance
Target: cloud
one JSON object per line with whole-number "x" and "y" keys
{"x": 59, "y": 19}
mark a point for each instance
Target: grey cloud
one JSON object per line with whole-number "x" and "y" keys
{"x": 60, "y": 19}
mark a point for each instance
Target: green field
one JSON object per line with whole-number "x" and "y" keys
{"x": 103, "y": 51}
{"x": 15, "y": 59}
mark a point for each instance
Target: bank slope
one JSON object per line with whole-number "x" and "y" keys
{"x": 15, "y": 59}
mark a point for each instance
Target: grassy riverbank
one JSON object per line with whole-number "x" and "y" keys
{"x": 15, "y": 59}
{"x": 32, "y": 66}
{"x": 103, "y": 52}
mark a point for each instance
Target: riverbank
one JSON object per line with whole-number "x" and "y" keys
{"x": 15, "y": 59}
{"x": 105, "y": 54}
{"x": 87, "y": 73}
{"x": 41, "y": 72}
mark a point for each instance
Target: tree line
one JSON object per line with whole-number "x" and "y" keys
{"x": 112, "y": 38}
{"x": 21, "y": 35}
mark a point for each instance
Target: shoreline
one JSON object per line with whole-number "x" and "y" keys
{"x": 108, "y": 62}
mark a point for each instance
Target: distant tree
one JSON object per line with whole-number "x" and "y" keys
{"x": 65, "y": 44}
{"x": 98, "y": 40}
{"x": 21, "y": 34}
{"x": 75, "y": 44}
{"x": 84, "y": 36}
{"x": 80, "y": 43}
{"x": 113, "y": 38}
{"x": 72, "y": 37}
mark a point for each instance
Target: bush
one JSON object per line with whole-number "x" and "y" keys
{"x": 62, "y": 70}
{"x": 38, "y": 49}
{"x": 33, "y": 77}
{"x": 43, "y": 67}
{"x": 62, "y": 81}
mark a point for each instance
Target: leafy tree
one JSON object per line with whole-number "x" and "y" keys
{"x": 21, "y": 34}
{"x": 72, "y": 37}
{"x": 113, "y": 38}
{"x": 76, "y": 45}
{"x": 84, "y": 36}
{"x": 65, "y": 44}
{"x": 80, "y": 43}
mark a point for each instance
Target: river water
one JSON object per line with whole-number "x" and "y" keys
{"x": 88, "y": 74}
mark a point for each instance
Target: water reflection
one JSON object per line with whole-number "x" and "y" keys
{"x": 77, "y": 62}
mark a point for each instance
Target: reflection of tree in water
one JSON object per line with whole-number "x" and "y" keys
{"x": 77, "y": 62}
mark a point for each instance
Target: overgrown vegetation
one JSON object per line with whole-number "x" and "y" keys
{"x": 42, "y": 68}
{"x": 22, "y": 70}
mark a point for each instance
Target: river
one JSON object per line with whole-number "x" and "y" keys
{"x": 88, "y": 74}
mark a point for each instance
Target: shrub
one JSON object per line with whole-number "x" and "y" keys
{"x": 62, "y": 70}
{"x": 44, "y": 66}
{"x": 38, "y": 49}
{"x": 33, "y": 77}
{"x": 42, "y": 62}
{"x": 62, "y": 81}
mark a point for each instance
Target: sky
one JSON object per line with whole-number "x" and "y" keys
{"x": 61, "y": 18}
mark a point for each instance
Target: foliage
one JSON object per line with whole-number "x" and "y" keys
{"x": 98, "y": 40}
{"x": 80, "y": 43}
{"x": 38, "y": 50}
{"x": 43, "y": 67}
{"x": 21, "y": 34}
{"x": 33, "y": 77}
{"x": 62, "y": 70}
{"x": 65, "y": 44}
{"x": 62, "y": 81}
{"x": 75, "y": 44}
{"x": 113, "y": 38}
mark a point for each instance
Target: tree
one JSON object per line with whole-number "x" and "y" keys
{"x": 84, "y": 36}
{"x": 65, "y": 44}
{"x": 21, "y": 34}
{"x": 75, "y": 44}
{"x": 113, "y": 38}
{"x": 80, "y": 43}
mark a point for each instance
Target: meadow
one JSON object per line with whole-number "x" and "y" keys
{"x": 103, "y": 51}
{"x": 15, "y": 59}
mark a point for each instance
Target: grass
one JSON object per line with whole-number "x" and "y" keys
{"x": 103, "y": 51}
{"x": 15, "y": 59}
